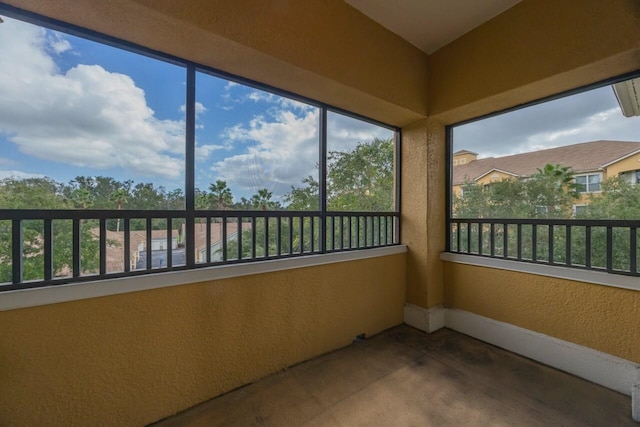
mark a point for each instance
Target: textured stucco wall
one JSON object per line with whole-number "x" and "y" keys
{"x": 423, "y": 214}
{"x": 134, "y": 358}
{"x": 631, "y": 163}
{"x": 600, "y": 317}
{"x": 535, "y": 49}
{"x": 323, "y": 49}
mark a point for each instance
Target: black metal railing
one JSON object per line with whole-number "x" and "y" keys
{"x": 611, "y": 246}
{"x": 49, "y": 247}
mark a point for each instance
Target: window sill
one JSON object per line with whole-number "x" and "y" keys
{"x": 12, "y": 300}
{"x": 588, "y": 276}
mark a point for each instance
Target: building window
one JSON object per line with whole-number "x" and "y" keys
{"x": 579, "y": 210}
{"x": 637, "y": 180}
{"x": 588, "y": 183}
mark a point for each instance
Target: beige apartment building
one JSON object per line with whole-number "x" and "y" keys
{"x": 592, "y": 163}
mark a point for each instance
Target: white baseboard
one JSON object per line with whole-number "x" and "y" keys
{"x": 635, "y": 402}
{"x": 425, "y": 319}
{"x": 601, "y": 368}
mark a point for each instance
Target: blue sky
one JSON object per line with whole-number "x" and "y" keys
{"x": 70, "y": 107}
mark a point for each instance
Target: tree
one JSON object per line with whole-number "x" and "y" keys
{"x": 361, "y": 179}
{"x": 618, "y": 199}
{"x": 303, "y": 198}
{"x": 220, "y": 195}
{"x": 550, "y": 193}
{"x": 82, "y": 198}
{"x": 262, "y": 200}
{"x": 120, "y": 197}
{"x": 42, "y": 193}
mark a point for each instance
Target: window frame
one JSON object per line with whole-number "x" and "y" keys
{"x": 587, "y": 183}
{"x": 190, "y": 213}
{"x": 504, "y": 222}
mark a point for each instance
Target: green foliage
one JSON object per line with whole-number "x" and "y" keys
{"x": 619, "y": 199}
{"x": 550, "y": 193}
{"x": 220, "y": 195}
{"x": 41, "y": 193}
{"x": 361, "y": 179}
{"x": 303, "y": 198}
{"x": 358, "y": 180}
{"x": 262, "y": 201}
{"x": 31, "y": 193}
{"x": 553, "y": 189}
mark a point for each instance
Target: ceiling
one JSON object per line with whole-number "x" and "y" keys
{"x": 431, "y": 24}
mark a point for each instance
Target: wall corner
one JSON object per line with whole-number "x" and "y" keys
{"x": 426, "y": 319}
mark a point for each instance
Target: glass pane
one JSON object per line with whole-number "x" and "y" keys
{"x": 360, "y": 165}
{"x": 254, "y": 150}
{"x": 82, "y": 124}
{"x": 524, "y": 163}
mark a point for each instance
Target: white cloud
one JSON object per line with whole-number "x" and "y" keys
{"x": 18, "y": 175}
{"x": 589, "y": 116}
{"x": 281, "y": 150}
{"x": 204, "y": 151}
{"x": 344, "y": 133}
{"x": 86, "y": 116}
{"x": 282, "y": 146}
{"x": 57, "y": 43}
{"x": 200, "y": 108}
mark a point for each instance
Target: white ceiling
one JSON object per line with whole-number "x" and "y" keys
{"x": 431, "y": 24}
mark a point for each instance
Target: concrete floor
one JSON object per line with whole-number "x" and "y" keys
{"x": 403, "y": 377}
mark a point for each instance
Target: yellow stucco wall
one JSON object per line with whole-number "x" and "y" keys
{"x": 134, "y": 358}
{"x": 463, "y": 159}
{"x": 535, "y": 49}
{"x": 494, "y": 176}
{"x": 600, "y": 317}
{"x": 631, "y": 163}
{"x": 325, "y": 50}
{"x": 423, "y": 215}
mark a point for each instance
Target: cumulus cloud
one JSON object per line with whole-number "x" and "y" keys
{"x": 280, "y": 150}
{"x": 86, "y": 116}
{"x": 589, "y": 116}
{"x": 282, "y": 145}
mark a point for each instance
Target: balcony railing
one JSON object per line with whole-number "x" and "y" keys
{"x": 604, "y": 245}
{"x": 50, "y": 247}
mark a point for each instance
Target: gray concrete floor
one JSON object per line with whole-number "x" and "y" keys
{"x": 404, "y": 377}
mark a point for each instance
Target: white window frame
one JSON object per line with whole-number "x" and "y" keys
{"x": 587, "y": 175}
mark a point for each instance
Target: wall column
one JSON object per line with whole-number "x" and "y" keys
{"x": 423, "y": 211}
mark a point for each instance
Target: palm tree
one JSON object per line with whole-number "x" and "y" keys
{"x": 202, "y": 202}
{"x": 221, "y": 194}
{"x": 563, "y": 175}
{"x": 120, "y": 197}
{"x": 262, "y": 200}
{"x": 82, "y": 198}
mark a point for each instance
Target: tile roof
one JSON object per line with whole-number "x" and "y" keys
{"x": 584, "y": 157}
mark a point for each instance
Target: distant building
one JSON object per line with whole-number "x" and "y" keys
{"x": 591, "y": 162}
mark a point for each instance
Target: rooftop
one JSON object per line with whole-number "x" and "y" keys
{"x": 584, "y": 157}
{"x": 405, "y": 377}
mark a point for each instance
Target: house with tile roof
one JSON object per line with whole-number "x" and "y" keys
{"x": 591, "y": 162}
